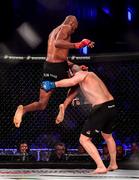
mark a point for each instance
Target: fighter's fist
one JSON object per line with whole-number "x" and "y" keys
{"x": 48, "y": 85}
{"x": 83, "y": 43}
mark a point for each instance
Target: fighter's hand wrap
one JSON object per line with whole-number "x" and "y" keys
{"x": 83, "y": 43}
{"x": 48, "y": 85}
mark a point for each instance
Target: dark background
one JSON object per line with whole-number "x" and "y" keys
{"x": 104, "y": 21}
{"x": 20, "y": 83}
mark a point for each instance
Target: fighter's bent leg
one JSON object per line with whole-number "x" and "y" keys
{"x": 40, "y": 105}
{"x": 93, "y": 152}
{"x": 112, "y": 151}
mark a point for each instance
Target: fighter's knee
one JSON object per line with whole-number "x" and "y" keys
{"x": 83, "y": 139}
{"x": 107, "y": 137}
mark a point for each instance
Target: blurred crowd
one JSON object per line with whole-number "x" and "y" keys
{"x": 59, "y": 153}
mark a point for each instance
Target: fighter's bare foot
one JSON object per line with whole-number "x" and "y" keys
{"x": 18, "y": 116}
{"x": 112, "y": 167}
{"x": 102, "y": 170}
{"x": 60, "y": 116}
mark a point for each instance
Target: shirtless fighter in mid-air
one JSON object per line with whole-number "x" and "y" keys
{"x": 56, "y": 65}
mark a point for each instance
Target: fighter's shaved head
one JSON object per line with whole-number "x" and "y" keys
{"x": 75, "y": 68}
{"x": 69, "y": 19}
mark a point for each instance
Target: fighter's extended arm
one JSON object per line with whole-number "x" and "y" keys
{"x": 77, "y": 78}
{"x": 63, "y": 37}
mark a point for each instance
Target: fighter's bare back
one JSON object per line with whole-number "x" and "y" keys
{"x": 94, "y": 89}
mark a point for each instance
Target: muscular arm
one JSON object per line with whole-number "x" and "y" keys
{"x": 64, "y": 44}
{"x": 63, "y": 37}
{"x": 76, "y": 79}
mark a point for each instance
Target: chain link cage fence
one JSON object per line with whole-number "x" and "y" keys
{"x": 20, "y": 83}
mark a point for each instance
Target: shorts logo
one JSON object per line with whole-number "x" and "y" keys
{"x": 88, "y": 132}
{"x": 46, "y": 74}
{"x": 111, "y": 106}
{"x": 50, "y": 75}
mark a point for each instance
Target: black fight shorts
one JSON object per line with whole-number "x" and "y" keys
{"x": 102, "y": 118}
{"x": 55, "y": 71}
